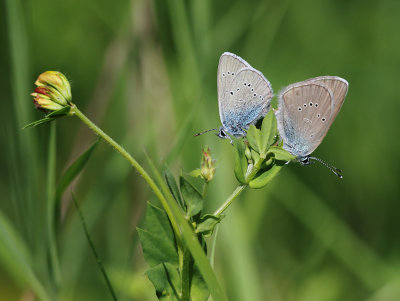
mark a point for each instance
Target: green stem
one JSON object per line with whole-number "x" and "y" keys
{"x": 205, "y": 188}
{"x": 50, "y": 200}
{"x": 229, "y": 200}
{"x": 185, "y": 277}
{"x": 129, "y": 158}
{"x": 89, "y": 239}
{"x": 254, "y": 170}
{"x": 239, "y": 189}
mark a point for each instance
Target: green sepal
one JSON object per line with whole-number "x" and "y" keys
{"x": 207, "y": 224}
{"x": 173, "y": 188}
{"x": 166, "y": 281}
{"x": 60, "y": 112}
{"x": 254, "y": 138}
{"x": 281, "y": 154}
{"x": 240, "y": 161}
{"x": 192, "y": 198}
{"x": 263, "y": 179}
{"x": 157, "y": 239}
{"x": 37, "y": 122}
{"x": 49, "y": 117}
{"x": 268, "y": 132}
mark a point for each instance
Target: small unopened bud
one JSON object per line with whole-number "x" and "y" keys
{"x": 53, "y": 91}
{"x": 207, "y": 167}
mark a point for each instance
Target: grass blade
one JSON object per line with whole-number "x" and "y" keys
{"x": 75, "y": 168}
{"x": 95, "y": 254}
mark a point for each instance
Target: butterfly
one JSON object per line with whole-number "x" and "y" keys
{"x": 306, "y": 111}
{"x": 244, "y": 95}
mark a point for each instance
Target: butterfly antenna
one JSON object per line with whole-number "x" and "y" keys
{"x": 335, "y": 170}
{"x": 201, "y": 133}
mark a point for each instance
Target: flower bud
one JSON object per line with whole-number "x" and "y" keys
{"x": 53, "y": 91}
{"x": 207, "y": 166}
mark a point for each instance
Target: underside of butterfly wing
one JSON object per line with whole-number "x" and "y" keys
{"x": 245, "y": 101}
{"x": 338, "y": 87}
{"x": 304, "y": 116}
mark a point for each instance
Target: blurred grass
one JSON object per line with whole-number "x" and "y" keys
{"x": 146, "y": 72}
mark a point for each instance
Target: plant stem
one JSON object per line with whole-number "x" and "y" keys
{"x": 185, "y": 281}
{"x": 89, "y": 239}
{"x": 131, "y": 160}
{"x": 205, "y": 188}
{"x": 254, "y": 170}
{"x": 229, "y": 200}
{"x": 50, "y": 201}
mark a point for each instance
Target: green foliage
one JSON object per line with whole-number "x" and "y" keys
{"x": 281, "y": 154}
{"x": 207, "y": 224}
{"x": 74, "y": 169}
{"x": 173, "y": 187}
{"x": 192, "y": 198}
{"x": 49, "y": 117}
{"x": 265, "y": 177}
{"x": 158, "y": 240}
{"x": 166, "y": 280}
{"x": 240, "y": 161}
{"x": 167, "y": 261}
{"x": 266, "y": 160}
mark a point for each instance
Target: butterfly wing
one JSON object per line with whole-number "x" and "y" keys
{"x": 229, "y": 66}
{"x": 338, "y": 87}
{"x": 245, "y": 100}
{"x": 305, "y": 113}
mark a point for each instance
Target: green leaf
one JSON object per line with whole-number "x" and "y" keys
{"x": 255, "y": 156}
{"x": 240, "y": 161}
{"x": 166, "y": 281}
{"x": 15, "y": 257}
{"x": 207, "y": 224}
{"x": 173, "y": 187}
{"x": 265, "y": 177}
{"x": 281, "y": 154}
{"x": 37, "y": 122}
{"x": 198, "y": 288}
{"x": 254, "y": 138}
{"x": 192, "y": 198}
{"x": 74, "y": 169}
{"x": 195, "y": 173}
{"x": 268, "y": 132}
{"x": 158, "y": 240}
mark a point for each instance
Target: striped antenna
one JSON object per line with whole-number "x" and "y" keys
{"x": 335, "y": 170}
{"x": 201, "y": 133}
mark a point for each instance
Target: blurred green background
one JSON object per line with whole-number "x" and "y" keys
{"x": 145, "y": 71}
